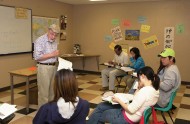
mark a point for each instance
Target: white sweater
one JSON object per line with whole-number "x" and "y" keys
{"x": 145, "y": 97}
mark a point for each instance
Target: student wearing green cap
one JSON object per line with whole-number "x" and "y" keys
{"x": 170, "y": 78}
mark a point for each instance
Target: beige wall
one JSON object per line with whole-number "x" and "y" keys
{"x": 93, "y": 22}
{"x": 88, "y": 24}
{"x": 48, "y": 8}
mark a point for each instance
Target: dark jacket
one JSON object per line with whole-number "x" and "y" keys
{"x": 49, "y": 114}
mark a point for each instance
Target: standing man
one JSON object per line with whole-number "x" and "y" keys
{"x": 109, "y": 74}
{"x": 46, "y": 53}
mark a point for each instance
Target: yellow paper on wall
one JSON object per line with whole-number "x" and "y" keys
{"x": 112, "y": 45}
{"x": 150, "y": 42}
{"x": 145, "y": 28}
{"x": 21, "y": 13}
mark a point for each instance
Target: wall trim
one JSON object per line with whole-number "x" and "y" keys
{"x": 17, "y": 85}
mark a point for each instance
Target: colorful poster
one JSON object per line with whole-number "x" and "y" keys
{"x": 142, "y": 19}
{"x": 169, "y": 37}
{"x": 150, "y": 42}
{"x": 41, "y": 24}
{"x": 126, "y": 23}
{"x": 116, "y": 33}
{"x": 115, "y": 21}
{"x": 112, "y": 45}
{"x": 108, "y": 38}
{"x": 145, "y": 28}
{"x": 132, "y": 34}
{"x": 180, "y": 28}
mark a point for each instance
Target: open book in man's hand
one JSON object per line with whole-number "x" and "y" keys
{"x": 108, "y": 64}
{"x": 126, "y": 98}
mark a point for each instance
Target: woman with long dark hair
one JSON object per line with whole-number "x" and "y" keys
{"x": 136, "y": 62}
{"x": 146, "y": 96}
{"x": 66, "y": 106}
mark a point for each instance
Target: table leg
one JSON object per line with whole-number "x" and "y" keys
{"x": 83, "y": 62}
{"x": 97, "y": 61}
{"x": 12, "y": 89}
{"x": 27, "y": 95}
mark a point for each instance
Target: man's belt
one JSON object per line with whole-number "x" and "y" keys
{"x": 46, "y": 63}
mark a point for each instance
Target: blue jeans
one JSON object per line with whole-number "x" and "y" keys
{"x": 106, "y": 112}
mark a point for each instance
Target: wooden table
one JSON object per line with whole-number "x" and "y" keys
{"x": 26, "y": 73}
{"x": 83, "y": 57}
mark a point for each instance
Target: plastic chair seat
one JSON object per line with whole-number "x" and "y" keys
{"x": 168, "y": 107}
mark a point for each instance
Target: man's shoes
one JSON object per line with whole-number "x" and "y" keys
{"x": 104, "y": 89}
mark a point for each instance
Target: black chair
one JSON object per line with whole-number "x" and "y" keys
{"x": 119, "y": 79}
{"x": 7, "y": 119}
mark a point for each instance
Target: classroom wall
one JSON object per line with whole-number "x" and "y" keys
{"x": 89, "y": 24}
{"x": 93, "y": 22}
{"x": 47, "y": 8}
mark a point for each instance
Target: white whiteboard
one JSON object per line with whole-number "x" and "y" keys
{"x": 15, "y": 34}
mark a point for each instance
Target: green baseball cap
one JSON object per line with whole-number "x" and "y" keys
{"x": 167, "y": 52}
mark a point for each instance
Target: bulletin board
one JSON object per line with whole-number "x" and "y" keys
{"x": 16, "y": 30}
{"x": 40, "y": 25}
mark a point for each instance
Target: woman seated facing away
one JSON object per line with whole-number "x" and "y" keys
{"x": 131, "y": 113}
{"x": 137, "y": 63}
{"x": 66, "y": 106}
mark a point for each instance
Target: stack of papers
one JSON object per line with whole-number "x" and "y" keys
{"x": 127, "y": 69}
{"x": 134, "y": 74}
{"x": 126, "y": 98}
{"x": 6, "y": 110}
{"x": 107, "y": 64}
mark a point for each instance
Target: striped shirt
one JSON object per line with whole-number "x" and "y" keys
{"x": 43, "y": 46}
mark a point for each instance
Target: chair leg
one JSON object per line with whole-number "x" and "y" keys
{"x": 118, "y": 81}
{"x": 162, "y": 113}
{"x": 116, "y": 89}
{"x": 124, "y": 89}
{"x": 170, "y": 117}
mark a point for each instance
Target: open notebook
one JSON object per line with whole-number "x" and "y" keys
{"x": 126, "y": 98}
{"x": 6, "y": 110}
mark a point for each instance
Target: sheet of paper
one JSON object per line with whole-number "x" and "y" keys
{"x": 6, "y": 110}
{"x": 122, "y": 96}
{"x": 107, "y": 64}
{"x": 127, "y": 69}
{"x": 134, "y": 74}
{"x": 64, "y": 64}
{"x": 135, "y": 85}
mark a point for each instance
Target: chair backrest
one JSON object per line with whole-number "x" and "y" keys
{"x": 147, "y": 113}
{"x": 169, "y": 106}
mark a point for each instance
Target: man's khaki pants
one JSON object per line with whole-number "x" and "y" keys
{"x": 45, "y": 79}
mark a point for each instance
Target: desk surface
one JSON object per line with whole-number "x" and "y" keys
{"x": 78, "y": 55}
{"x": 25, "y": 72}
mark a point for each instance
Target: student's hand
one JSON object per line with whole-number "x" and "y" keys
{"x": 110, "y": 62}
{"x": 130, "y": 55}
{"x": 140, "y": 86}
{"x": 115, "y": 99}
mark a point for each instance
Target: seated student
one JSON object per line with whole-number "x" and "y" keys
{"x": 170, "y": 78}
{"x": 109, "y": 74}
{"x": 137, "y": 63}
{"x": 66, "y": 106}
{"x": 131, "y": 113}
